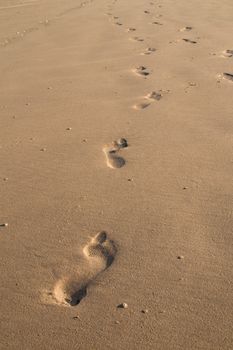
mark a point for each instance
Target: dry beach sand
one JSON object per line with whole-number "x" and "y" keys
{"x": 116, "y": 174}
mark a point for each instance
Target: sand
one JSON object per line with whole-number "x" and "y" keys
{"x": 116, "y": 174}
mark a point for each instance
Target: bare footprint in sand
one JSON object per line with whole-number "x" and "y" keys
{"x": 111, "y": 152}
{"x": 186, "y": 29}
{"x": 228, "y": 76}
{"x": 141, "y": 71}
{"x": 99, "y": 253}
{"x": 227, "y": 53}
{"x": 136, "y": 38}
{"x": 149, "y": 51}
{"x": 154, "y": 96}
{"x": 148, "y": 99}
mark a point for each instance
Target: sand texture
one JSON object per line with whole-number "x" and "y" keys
{"x": 116, "y": 177}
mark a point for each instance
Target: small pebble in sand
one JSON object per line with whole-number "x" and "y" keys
{"x": 4, "y": 225}
{"x": 122, "y": 143}
{"x": 180, "y": 257}
{"x": 117, "y": 322}
{"x": 84, "y": 140}
{"x": 122, "y": 306}
{"x": 145, "y": 311}
{"x": 5, "y": 179}
{"x": 130, "y": 180}
{"x": 185, "y": 188}
{"x": 43, "y": 149}
{"x": 68, "y": 128}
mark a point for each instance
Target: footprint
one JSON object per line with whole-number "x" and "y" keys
{"x": 118, "y": 23}
{"x": 156, "y": 96}
{"x": 227, "y": 53}
{"x": 189, "y": 41}
{"x": 115, "y": 161}
{"x": 141, "y": 105}
{"x": 142, "y": 71}
{"x": 186, "y": 29}
{"x": 149, "y": 51}
{"x": 100, "y": 253}
{"x": 228, "y": 76}
{"x": 148, "y": 99}
{"x": 136, "y": 38}
{"x": 130, "y": 29}
{"x": 158, "y": 23}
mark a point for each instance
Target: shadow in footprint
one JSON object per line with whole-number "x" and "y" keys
{"x": 77, "y": 297}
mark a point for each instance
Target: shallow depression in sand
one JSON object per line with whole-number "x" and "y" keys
{"x": 70, "y": 290}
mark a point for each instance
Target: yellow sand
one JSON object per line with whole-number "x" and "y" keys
{"x": 73, "y": 81}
